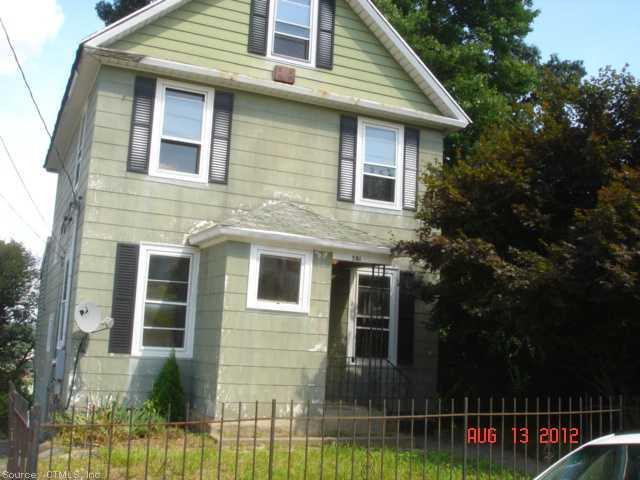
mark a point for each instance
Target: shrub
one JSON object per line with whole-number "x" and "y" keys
{"x": 167, "y": 395}
{"x": 107, "y": 420}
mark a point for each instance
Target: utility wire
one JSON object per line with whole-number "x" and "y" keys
{"x": 21, "y": 218}
{"x": 35, "y": 104}
{"x": 22, "y": 180}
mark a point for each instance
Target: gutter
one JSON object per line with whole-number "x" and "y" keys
{"x": 67, "y": 91}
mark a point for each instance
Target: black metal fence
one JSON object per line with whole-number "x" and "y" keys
{"x": 404, "y": 439}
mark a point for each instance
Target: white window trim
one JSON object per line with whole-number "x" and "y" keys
{"x": 394, "y": 307}
{"x": 313, "y": 34}
{"x": 156, "y": 133}
{"x": 63, "y": 305}
{"x": 146, "y": 250}
{"x": 399, "y": 129}
{"x": 304, "y": 293}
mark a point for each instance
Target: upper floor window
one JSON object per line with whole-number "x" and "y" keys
{"x": 292, "y": 29}
{"x": 379, "y": 164}
{"x": 182, "y": 131}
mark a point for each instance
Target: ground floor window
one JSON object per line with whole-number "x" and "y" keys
{"x": 374, "y": 316}
{"x": 279, "y": 279}
{"x": 165, "y": 296}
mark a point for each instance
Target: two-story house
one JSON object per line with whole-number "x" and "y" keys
{"x": 232, "y": 177}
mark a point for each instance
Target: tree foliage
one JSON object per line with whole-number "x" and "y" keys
{"x": 536, "y": 236}
{"x": 477, "y": 49}
{"x": 167, "y": 395}
{"x": 18, "y": 308}
{"x": 111, "y": 11}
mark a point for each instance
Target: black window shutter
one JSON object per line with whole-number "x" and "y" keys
{"x": 258, "y": 27}
{"x": 221, "y": 137}
{"x": 326, "y": 22}
{"x": 347, "y": 158}
{"x": 124, "y": 297}
{"x": 141, "y": 125}
{"x": 410, "y": 183}
{"x": 406, "y": 318}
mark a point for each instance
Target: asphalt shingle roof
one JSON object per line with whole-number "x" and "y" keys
{"x": 288, "y": 217}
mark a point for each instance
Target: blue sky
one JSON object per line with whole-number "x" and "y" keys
{"x": 46, "y": 33}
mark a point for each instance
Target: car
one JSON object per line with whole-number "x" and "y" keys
{"x": 612, "y": 457}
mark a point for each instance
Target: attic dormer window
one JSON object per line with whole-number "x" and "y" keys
{"x": 292, "y": 29}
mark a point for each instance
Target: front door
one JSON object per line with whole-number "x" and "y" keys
{"x": 373, "y": 318}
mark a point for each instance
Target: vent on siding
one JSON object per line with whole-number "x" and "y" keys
{"x": 124, "y": 297}
{"x": 221, "y": 137}
{"x": 410, "y": 184}
{"x": 141, "y": 124}
{"x": 347, "y": 158}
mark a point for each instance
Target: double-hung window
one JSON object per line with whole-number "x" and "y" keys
{"x": 279, "y": 279}
{"x": 379, "y": 164}
{"x": 181, "y": 132}
{"x": 292, "y": 29}
{"x": 81, "y": 148}
{"x": 63, "y": 307}
{"x": 165, "y": 299}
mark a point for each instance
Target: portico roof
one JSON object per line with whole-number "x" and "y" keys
{"x": 290, "y": 223}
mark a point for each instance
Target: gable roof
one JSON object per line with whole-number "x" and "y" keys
{"x": 93, "y": 52}
{"x": 365, "y": 9}
{"x": 288, "y": 222}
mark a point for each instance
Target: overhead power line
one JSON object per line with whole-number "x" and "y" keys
{"x": 35, "y": 104}
{"x": 15, "y": 168}
{"x": 21, "y": 218}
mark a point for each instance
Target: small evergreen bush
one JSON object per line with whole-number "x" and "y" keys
{"x": 167, "y": 396}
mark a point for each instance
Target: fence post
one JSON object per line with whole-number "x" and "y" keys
{"x": 12, "y": 460}
{"x": 464, "y": 442}
{"x": 621, "y": 414}
{"x": 34, "y": 434}
{"x": 272, "y": 433}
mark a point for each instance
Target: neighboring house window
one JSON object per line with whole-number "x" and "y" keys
{"x": 181, "y": 131}
{"x": 279, "y": 279}
{"x": 63, "y": 307}
{"x": 292, "y": 29}
{"x": 165, "y": 296}
{"x": 379, "y": 164}
{"x": 374, "y": 319}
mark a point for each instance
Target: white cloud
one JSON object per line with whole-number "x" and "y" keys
{"x": 31, "y": 23}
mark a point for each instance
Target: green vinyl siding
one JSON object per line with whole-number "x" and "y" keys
{"x": 214, "y": 34}
{"x": 279, "y": 150}
{"x": 53, "y": 264}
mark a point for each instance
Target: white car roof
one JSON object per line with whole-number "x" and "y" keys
{"x": 617, "y": 439}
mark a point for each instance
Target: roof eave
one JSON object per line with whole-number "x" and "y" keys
{"x": 266, "y": 87}
{"x": 222, "y": 233}
{"x": 368, "y": 12}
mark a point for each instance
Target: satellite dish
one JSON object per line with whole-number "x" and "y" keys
{"x": 88, "y": 317}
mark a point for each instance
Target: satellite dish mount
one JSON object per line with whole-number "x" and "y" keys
{"x": 89, "y": 319}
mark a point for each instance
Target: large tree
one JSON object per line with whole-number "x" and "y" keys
{"x": 111, "y": 11}
{"x": 536, "y": 237}
{"x": 477, "y": 49}
{"x": 18, "y": 308}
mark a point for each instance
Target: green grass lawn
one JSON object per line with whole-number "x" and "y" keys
{"x": 320, "y": 462}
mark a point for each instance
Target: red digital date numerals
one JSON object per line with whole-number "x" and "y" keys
{"x": 553, "y": 435}
{"x": 521, "y": 436}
